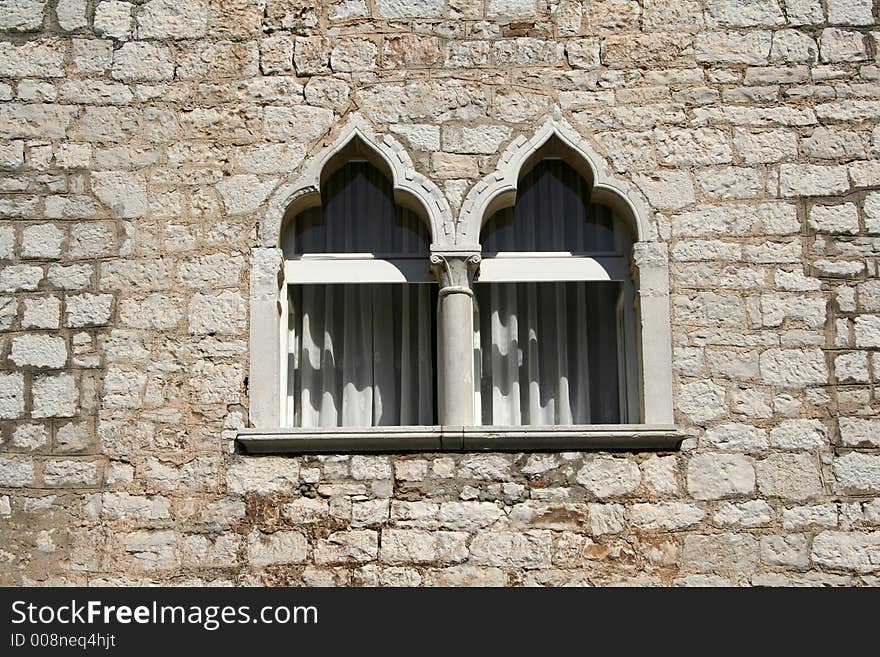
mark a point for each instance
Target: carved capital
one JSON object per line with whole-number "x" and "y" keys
{"x": 455, "y": 270}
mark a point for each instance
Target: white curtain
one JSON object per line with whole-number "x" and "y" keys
{"x": 549, "y": 353}
{"x": 555, "y": 353}
{"x": 360, "y": 355}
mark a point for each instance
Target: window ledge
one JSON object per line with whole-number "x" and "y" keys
{"x": 460, "y": 439}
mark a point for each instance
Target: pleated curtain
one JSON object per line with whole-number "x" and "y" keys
{"x": 549, "y": 351}
{"x": 360, "y": 354}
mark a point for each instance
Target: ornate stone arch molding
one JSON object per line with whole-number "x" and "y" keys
{"x": 357, "y": 136}
{"x": 650, "y": 264}
{"x": 498, "y": 189}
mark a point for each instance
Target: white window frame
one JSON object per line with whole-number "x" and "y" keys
{"x": 454, "y": 242}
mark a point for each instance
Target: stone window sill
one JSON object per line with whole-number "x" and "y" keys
{"x": 460, "y": 439}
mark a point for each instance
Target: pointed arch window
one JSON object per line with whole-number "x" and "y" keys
{"x": 556, "y": 308}
{"x": 361, "y": 305}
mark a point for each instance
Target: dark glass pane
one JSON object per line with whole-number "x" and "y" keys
{"x": 553, "y": 213}
{"x": 357, "y": 215}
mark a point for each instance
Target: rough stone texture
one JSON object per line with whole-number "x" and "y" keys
{"x": 142, "y": 142}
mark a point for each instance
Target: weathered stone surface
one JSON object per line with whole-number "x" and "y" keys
{"x": 701, "y": 401}
{"x": 359, "y": 546}
{"x": 790, "y": 550}
{"x": 793, "y": 367}
{"x": 166, "y": 19}
{"x": 142, "y": 62}
{"x": 667, "y": 516}
{"x": 859, "y": 432}
{"x": 263, "y": 476}
{"x": 88, "y": 309}
{"x": 720, "y": 552}
{"x": 54, "y": 395}
{"x": 789, "y": 476}
{"x": 508, "y": 549}
{"x": 717, "y": 476}
{"x": 754, "y": 513}
{"x": 11, "y": 395}
{"x": 857, "y": 471}
{"x": 609, "y": 477}
{"x": 858, "y": 552}
{"x": 38, "y": 351}
{"x": 276, "y": 548}
{"x": 418, "y": 546}
{"x": 799, "y": 434}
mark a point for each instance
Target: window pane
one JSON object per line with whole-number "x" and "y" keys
{"x": 361, "y": 355}
{"x": 357, "y": 215}
{"x": 549, "y": 353}
{"x": 553, "y": 213}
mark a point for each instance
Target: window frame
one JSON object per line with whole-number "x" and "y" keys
{"x": 454, "y": 243}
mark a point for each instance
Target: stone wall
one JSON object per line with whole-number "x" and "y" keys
{"x": 139, "y": 142}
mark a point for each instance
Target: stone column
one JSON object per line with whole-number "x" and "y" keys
{"x": 455, "y": 271}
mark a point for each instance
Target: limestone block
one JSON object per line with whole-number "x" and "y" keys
{"x": 512, "y": 549}
{"x": 71, "y": 14}
{"x": 733, "y": 47}
{"x": 263, "y": 476}
{"x": 356, "y": 546}
{"x": 54, "y": 395}
{"x": 36, "y": 59}
{"x": 754, "y": 513}
{"x": 409, "y": 8}
{"x": 736, "y": 436}
{"x": 41, "y": 313}
{"x": 799, "y": 434}
{"x": 693, "y": 147}
{"x": 838, "y": 219}
{"x": 276, "y": 548}
{"x": 510, "y": 9}
{"x": 791, "y": 550}
{"x": 62, "y": 472}
{"x": 718, "y": 476}
{"x": 41, "y": 241}
{"x": 855, "y": 551}
{"x": 16, "y": 471}
{"x": 665, "y": 516}
{"x": 794, "y": 367}
{"x": 606, "y": 476}
{"x": 789, "y": 476}
{"x": 34, "y": 350}
{"x": 302, "y": 123}
{"x": 851, "y": 12}
{"x": 88, "y": 309}
{"x": 859, "y": 432}
{"x": 482, "y": 139}
{"x": 868, "y": 331}
{"x": 701, "y": 401}
{"x": 243, "y": 194}
{"x": 737, "y": 552}
{"x": 113, "y": 19}
{"x": 836, "y": 45}
{"x": 11, "y": 395}
{"x": 420, "y": 546}
{"x": 469, "y": 516}
{"x": 168, "y": 19}
{"x": 138, "y": 61}
{"x": 857, "y": 472}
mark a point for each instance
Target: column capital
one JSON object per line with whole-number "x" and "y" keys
{"x": 455, "y": 270}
